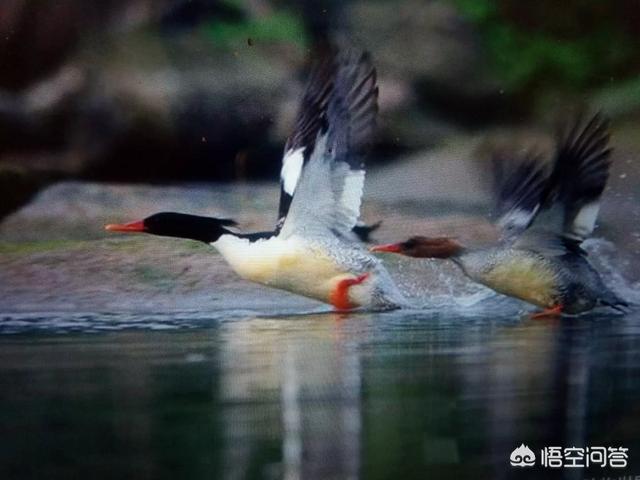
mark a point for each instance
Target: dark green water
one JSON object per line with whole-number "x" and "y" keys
{"x": 375, "y": 396}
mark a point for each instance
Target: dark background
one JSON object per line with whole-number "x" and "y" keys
{"x": 173, "y": 90}
{"x": 145, "y": 357}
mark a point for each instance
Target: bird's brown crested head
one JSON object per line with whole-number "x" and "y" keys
{"x": 423, "y": 247}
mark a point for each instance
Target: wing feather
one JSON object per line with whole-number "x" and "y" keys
{"x": 309, "y": 121}
{"x": 580, "y": 173}
{"x": 571, "y": 198}
{"x": 518, "y": 187}
{"x": 329, "y": 192}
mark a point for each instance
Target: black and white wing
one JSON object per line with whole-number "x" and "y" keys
{"x": 328, "y": 194}
{"x": 571, "y": 199}
{"x": 518, "y": 187}
{"x": 309, "y": 121}
{"x": 580, "y": 174}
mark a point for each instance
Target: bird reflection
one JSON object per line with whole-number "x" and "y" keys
{"x": 306, "y": 373}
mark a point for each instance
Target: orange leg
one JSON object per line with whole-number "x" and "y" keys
{"x": 339, "y": 298}
{"x": 554, "y": 311}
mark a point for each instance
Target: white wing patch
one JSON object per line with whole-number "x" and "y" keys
{"x": 291, "y": 169}
{"x": 351, "y": 197}
{"x": 585, "y": 221}
{"x": 327, "y": 198}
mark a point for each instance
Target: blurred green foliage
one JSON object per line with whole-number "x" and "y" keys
{"x": 276, "y": 26}
{"x": 620, "y": 97}
{"x": 571, "y": 44}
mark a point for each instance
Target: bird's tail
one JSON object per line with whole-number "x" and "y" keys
{"x": 364, "y": 231}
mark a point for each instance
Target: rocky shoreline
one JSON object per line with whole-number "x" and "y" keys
{"x": 55, "y": 255}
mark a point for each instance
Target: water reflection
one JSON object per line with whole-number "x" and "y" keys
{"x": 308, "y": 372}
{"x": 318, "y": 396}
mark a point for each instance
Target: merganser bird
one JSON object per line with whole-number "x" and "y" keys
{"x": 311, "y": 252}
{"x": 544, "y": 266}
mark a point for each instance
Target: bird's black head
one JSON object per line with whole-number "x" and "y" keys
{"x": 180, "y": 225}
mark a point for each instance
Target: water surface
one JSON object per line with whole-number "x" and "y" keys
{"x": 237, "y": 395}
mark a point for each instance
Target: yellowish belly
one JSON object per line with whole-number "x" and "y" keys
{"x": 525, "y": 278}
{"x": 314, "y": 276}
{"x": 292, "y": 266}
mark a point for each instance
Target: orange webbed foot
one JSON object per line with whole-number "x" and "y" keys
{"x": 340, "y": 296}
{"x": 554, "y": 311}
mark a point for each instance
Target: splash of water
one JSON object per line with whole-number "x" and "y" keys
{"x": 607, "y": 258}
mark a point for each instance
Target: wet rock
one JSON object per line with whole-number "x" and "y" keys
{"x": 79, "y": 210}
{"x": 128, "y": 275}
{"x": 54, "y": 252}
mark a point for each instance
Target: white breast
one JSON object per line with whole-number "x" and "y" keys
{"x": 292, "y": 264}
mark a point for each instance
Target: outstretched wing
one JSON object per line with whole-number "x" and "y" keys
{"x": 327, "y": 198}
{"x": 518, "y": 187}
{"x": 309, "y": 122}
{"x": 580, "y": 174}
{"x": 571, "y": 199}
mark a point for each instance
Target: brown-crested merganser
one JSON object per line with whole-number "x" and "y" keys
{"x": 312, "y": 251}
{"x": 545, "y": 264}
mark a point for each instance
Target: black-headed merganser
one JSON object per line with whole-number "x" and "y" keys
{"x": 545, "y": 264}
{"x": 312, "y": 251}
